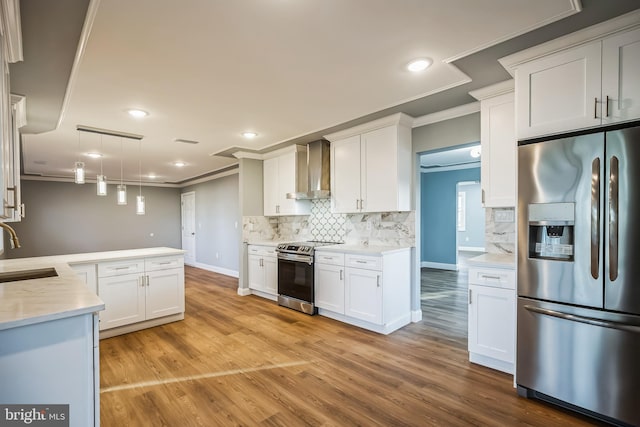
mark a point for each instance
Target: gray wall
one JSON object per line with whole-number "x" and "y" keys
{"x": 218, "y": 222}
{"x": 66, "y": 218}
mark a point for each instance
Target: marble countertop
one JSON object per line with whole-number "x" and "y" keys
{"x": 494, "y": 260}
{"x": 363, "y": 250}
{"x": 27, "y": 302}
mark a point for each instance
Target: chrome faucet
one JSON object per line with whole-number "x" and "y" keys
{"x": 15, "y": 243}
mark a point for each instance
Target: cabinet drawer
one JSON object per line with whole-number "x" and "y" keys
{"x": 163, "y": 263}
{"x": 493, "y": 277}
{"x": 262, "y": 250}
{"x": 364, "y": 261}
{"x": 330, "y": 258}
{"x": 117, "y": 268}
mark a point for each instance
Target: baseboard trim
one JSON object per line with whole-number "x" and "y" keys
{"x": 439, "y": 265}
{"x": 416, "y": 316}
{"x": 471, "y": 248}
{"x": 125, "y": 329}
{"x": 492, "y": 363}
{"x": 243, "y": 292}
{"x": 219, "y": 270}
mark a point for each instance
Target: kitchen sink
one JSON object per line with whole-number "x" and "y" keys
{"x": 39, "y": 273}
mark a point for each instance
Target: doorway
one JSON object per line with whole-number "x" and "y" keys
{"x": 188, "y": 211}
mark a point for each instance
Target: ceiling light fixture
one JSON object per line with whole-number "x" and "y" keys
{"x": 94, "y": 155}
{"x": 475, "y": 151}
{"x": 418, "y": 65}
{"x": 140, "y": 208}
{"x": 121, "y": 190}
{"x": 249, "y": 134}
{"x": 179, "y": 164}
{"x": 79, "y": 167}
{"x": 138, "y": 114}
{"x": 101, "y": 180}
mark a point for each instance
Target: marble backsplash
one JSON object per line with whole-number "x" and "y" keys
{"x": 500, "y": 237}
{"x": 385, "y": 229}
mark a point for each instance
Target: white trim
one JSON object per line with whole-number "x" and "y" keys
{"x": 586, "y": 35}
{"x": 243, "y": 155}
{"x": 490, "y": 362}
{"x": 132, "y": 327}
{"x": 451, "y": 113}
{"x": 12, "y": 24}
{"x": 91, "y": 180}
{"x": 394, "y": 119}
{"x": 450, "y": 168}
{"x": 213, "y": 268}
{"x": 19, "y": 103}
{"x": 296, "y": 148}
{"x": 416, "y": 316}
{"x": 385, "y": 329}
{"x": 243, "y": 292}
{"x": 92, "y": 11}
{"x": 439, "y": 265}
{"x": 265, "y": 295}
{"x": 211, "y": 177}
{"x": 471, "y": 248}
{"x": 574, "y": 7}
{"x": 494, "y": 90}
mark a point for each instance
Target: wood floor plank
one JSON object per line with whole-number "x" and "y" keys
{"x": 244, "y": 361}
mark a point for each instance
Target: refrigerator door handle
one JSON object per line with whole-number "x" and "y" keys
{"x": 613, "y": 218}
{"x": 595, "y": 218}
{"x": 583, "y": 319}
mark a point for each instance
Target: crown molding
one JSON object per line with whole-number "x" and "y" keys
{"x": 296, "y": 148}
{"x": 19, "y": 103}
{"x": 493, "y": 90}
{"x": 451, "y": 113}
{"x": 586, "y": 35}
{"x": 400, "y": 119}
{"x": 245, "y": 155}
{"x": 12, "y": 28}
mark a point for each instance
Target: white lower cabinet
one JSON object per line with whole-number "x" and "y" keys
{"x": 139, "y": 290}
{"x": 88, "y": 274}
{"x": 369, "y": 291}
{"x": 492, "y": 320}
{"x": 263, "y": 270}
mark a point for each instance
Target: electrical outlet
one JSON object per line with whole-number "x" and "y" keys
{"x": 368, "y": 225}
{"x": 504, "y": 215}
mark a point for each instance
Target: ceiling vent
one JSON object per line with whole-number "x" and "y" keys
{"x": 185, "y": 141}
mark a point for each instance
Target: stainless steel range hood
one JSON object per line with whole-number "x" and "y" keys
{"x": 318, "y": 173}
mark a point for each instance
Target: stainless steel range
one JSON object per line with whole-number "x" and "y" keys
{"x": 296, "y": 276}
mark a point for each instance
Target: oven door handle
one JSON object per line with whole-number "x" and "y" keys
{"x": 296, "y": 258}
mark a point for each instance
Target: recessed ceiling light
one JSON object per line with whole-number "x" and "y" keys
{"x": 134, "y": 112}
{"x": 179, "y": 164}
{"x": 94, "y": 155}
{"x": 419, "y": 64}
{"x": 249, "y": 134}
{"x": 152, "y": 176}
{"x": 475, "y": 151}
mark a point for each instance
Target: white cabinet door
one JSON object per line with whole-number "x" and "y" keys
{"x": 492, "y": 322}
{"x": 270, "y": 269}
{"x": 620, "y": 82}
{"x": 329, "y": 287}
{"x": 164, "y": 293}
{"x": 124, "y": 300}
{"x": 88, "y": 274}
{"x": 363, "y": 294}
{"x": 256, "y": 273}
{"x": 559, "y": 92}
{"x": 345, "y": 177}
{"x": 379, "y": 183}
{"x": 498, "y": 162}
{"x": 270, "y": 177}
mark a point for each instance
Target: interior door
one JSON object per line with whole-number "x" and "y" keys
{"x": 189, "y": 227}
{"x": 622, "y": 230}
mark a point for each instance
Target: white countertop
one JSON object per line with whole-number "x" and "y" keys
{"x": 27, "y": 302}
{"x": 273, "y": 243}
{"x": 494, "y": 260}
{"x": 363, "y": 250}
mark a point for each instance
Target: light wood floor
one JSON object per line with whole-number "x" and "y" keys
{"x": 244, "y": 361}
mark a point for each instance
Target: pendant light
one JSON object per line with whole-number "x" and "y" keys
{"x": 140, "y": 208}
{"x": 101, "y": 188}
{"x": 79, "y": 166}
{"x": 121, "y": 193}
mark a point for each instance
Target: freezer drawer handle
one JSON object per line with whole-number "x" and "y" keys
{"x": 613, "y": 219}
{"x": 595, "y": 218}
{"x": 584, "y": 319}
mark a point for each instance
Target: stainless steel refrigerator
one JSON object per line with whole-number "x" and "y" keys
{"x": 578, "y": 341}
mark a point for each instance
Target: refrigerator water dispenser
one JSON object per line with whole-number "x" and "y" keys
{"x": 551, "y": 233}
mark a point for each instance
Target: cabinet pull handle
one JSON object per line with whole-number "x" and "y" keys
{"x": 164, "y": 263}
{"x": 483, "y": 196}
{"x": 469, "y": 296}
{"x": 121, "y": 268}
{"x": 606, "y": 114}
{"x": 14, "y": 204}
{"x": 340, "y": 274}
{"x": 147, "y": 279}
{"x": 261, "y": 262}
{"x": 595, "y": 108}
{"x": 361, "y": 262}
{"x": 487, "y": 276}
{"x": 357, "y": 204}
{"x": 378, "y": 280}
{"x": 141, "y": 280}
{"x": 361, "y": 204}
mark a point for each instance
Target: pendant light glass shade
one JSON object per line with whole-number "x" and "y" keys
{"x": 101, "y": 188}
{"x": 121, "y": 194}
{"x": 139, "y": 205}
{"x": 79, "y": 173}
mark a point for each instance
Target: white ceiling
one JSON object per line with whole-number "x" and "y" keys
{"x": 207, "y": 70}
{"x": 455, "y": 156}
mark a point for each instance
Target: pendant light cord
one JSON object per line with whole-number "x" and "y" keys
{"x": 102, "y": 155}
{"x": 140, "y": 166}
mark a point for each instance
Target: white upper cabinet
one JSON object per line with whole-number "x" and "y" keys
{"x": 281, "y": 172}
{"x": 498, "y": 140}
{"x": 371, "y": 167}
{"x": 582, "y": 80}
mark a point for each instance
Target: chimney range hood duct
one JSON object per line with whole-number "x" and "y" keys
{"x": 318, "y": 173}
